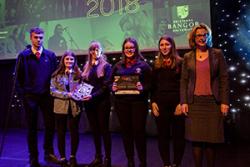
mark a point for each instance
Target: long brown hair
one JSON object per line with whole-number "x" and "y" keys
{"x": 137, "y": 54}
{"x": 61, "y": 67}
{"x": 101, "y": 61}
{"x": 173, "y": 54}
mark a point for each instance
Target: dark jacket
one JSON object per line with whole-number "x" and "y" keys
{"x": 33, "y": 75}
{"x": 166, "y": 84}
{"x": 59, "y": 91}
{"x": 218, "y": 74}
{"x": 140, "y": 68}
{"x": 100, "y": 84}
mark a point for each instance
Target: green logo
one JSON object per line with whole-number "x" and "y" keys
{"x": 182, "y": 11}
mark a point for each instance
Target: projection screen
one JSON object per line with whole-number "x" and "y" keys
{"x": 73, "y": 24}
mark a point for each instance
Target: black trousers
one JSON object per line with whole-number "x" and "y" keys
{"x": 32, "y": 104}
{"x": 98, "y": 113}
{"x": 170, "y": 125}
{"x": 62, "y": 120}
{"x": 132, "y": 116}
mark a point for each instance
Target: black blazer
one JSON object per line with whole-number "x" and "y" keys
{"x": 218, "y": 74}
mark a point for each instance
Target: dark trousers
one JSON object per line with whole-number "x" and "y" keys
{"x": 168, "y": 124}
{"x": 32, "y": 104}
{"x": 73, "y": 122}
{"x": 132, "y": 116}
{"x": 98, "y": 113}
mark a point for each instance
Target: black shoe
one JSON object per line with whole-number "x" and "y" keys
{"x": 131, "y": 163}
{"x": 72, "y": 162}
{"x": 96, "y": 162}
{"x": 107, "y": 162}
{"x": 142, "y": 164}
{"x": 51, "y": 158}
{"x": 34, "y": 163}
{"x": 64, "y": 163}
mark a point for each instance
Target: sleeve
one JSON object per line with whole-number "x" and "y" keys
{"x": 184, "y": 81}
{"x": 106, "y": 81}
{"x": 55, "y": 91}
{"x": 113, "y": 74}
{"x": 223, "y": 79}
{"x": 19, "y": 75}
{"x": 153, "y": 86}
{"x": 147, "y": 74}
{"x": 54, "y": 62}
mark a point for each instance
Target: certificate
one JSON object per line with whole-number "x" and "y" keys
{"x": 82, "y": 90}
{"x": 126, "y": 84}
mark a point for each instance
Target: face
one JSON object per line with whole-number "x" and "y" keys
{"x": 69, "y": 61}
{"x": 95, "y": 53}
{"x": 36, "y": 40}
{"x": 165, "y": 47}
{"x": 129, "y": 49}
{"x": 59, "y": 29}
{"x": 201, "y": 37}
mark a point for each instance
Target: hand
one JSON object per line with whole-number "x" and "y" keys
{"x": 184, "y": 109}
{"x": 224, "y": 109}
{"x": 70, "y": 94}
{"x": 139, "y": 86}
{"x": 114, "y": 87}
{"x": 87, "y": 98}
{"x": 155, "y": 109}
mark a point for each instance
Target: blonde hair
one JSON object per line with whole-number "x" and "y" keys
{"x": 192, "y": 35}
{"x": 101, "y": 61}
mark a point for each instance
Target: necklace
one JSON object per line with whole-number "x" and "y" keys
{"x": 167, "y": 61}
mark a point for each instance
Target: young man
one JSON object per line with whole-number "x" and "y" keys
{"x": 34, "y": 67}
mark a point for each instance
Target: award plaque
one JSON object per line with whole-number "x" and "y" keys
{"x": 126, "y": 84}
{"x": 82, "y": 90}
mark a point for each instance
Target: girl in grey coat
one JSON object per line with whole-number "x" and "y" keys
{"x": 63, "y": 82}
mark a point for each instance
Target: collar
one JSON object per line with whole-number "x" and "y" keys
{"x": 34, "y": 50}
{"x": 96, "y": 62}
{"x": 70, "y": 71}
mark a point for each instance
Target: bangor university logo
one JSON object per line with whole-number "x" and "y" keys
{"x": 182, "y": 11}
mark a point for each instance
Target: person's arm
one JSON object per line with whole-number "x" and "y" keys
{"x": 153, "y": 89}
{"x": 223, "y": 84}
{"x": 56, "y": 92}
{"x": 184, "y": 81}
{"x": 112, "y": 84}
{"x": 184, "y": 86}
{"x": 54, "y": 62}
{"x": 146, "y": 78}
{"x": 223, "y": 79}
{"x": 19, "y": 75}
{"x": 106, "y": 81}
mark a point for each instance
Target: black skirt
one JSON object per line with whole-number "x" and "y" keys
{"x": 204, "y": 122}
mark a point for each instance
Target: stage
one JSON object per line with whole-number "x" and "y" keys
{"x": 15, "y": 152}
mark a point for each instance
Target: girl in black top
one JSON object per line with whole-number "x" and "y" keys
{"x": 132, "y": 109}
{"x": 164, "y": 98}
{"x": 97, "y": 72}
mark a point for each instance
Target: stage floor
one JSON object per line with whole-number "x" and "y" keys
{"x": 15, "y": 152}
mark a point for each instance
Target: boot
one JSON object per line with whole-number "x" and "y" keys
{"x": 96, "y": 162}
{"x": 72, "y": 162}
{"x": 131, "y": 162}
{"x": 107, "y": 162}
{"x": 143, "y": 164}
{"x": 63, "y": 162}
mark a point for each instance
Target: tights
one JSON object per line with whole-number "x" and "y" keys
{"x": 209, "y": 150}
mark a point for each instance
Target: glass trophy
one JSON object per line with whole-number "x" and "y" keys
{"x": 126, "y": 84}
{"x": 82, "y": 90}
